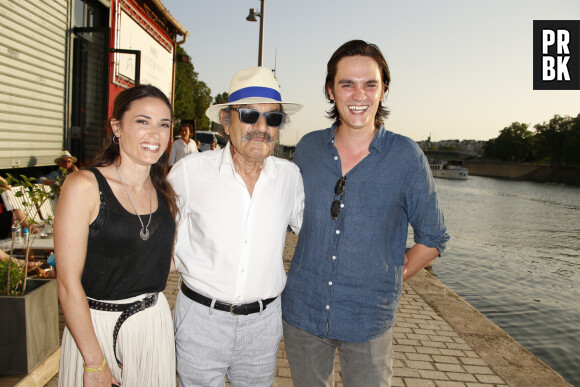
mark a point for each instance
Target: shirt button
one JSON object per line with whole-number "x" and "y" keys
{"x": 330, "y": 283}
{"x": 338, "y": 231}
{"x": 336, "y": 157}
{"x": 243, "y": 270}
{"x": 327, "y": 307}
{"x": 333, "y": 257}
{"x": 341, "y": 205}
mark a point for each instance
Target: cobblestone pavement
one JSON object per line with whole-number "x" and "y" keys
{"x": 427, "y": 350}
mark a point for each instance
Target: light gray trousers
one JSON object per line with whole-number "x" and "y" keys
{"x": 211, "y": 343}
{"x": 311, "y": 359}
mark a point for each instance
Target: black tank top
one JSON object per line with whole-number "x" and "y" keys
{"x": 119, "y": 264}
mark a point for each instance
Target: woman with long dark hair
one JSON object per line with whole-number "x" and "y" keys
{"x": 113, "y": 240}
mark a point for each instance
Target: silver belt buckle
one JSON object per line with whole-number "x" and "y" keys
{"x": 232, "y": 310}
{"x": 142, "y": 305}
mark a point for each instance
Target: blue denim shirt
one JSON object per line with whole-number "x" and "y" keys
{"x": 346, "y": 275}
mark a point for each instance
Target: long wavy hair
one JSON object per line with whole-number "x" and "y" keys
{"x": 109, "y": 153}
{"x": 354, "y": 48}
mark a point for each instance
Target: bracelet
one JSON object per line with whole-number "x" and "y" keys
{"x": 88, "y": 369}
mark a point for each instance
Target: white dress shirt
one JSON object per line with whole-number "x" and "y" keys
{"x": 179, "y": 149}
{"x": 230, "y": 244}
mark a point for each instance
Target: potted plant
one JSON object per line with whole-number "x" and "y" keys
{"x": 28, "y": 307}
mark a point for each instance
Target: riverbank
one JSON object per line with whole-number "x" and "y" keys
{"x": 508, "y": 359}
{"x": 524, "y": 171}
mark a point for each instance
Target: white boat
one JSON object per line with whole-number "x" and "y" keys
{"x": 452, "y": 169}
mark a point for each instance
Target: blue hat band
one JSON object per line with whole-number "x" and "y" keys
{"x": 253, "y": 92}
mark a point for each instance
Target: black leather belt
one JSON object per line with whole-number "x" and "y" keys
{"x": 127, "y": 309}
{"x": 235, "y": 309}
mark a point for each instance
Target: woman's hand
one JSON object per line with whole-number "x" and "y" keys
{"x": 100, "y": 378}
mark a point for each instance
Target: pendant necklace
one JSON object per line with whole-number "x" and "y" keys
{"x": 144, "y": 234}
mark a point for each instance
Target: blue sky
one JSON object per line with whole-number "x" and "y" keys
{"x": 460, "y": 69}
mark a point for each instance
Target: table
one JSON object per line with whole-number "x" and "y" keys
{"x": 38, "y": 243}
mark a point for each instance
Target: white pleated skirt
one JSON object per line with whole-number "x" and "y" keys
{"x": 145, "y": 346}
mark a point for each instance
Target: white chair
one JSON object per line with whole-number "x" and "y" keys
{"x": 47, "y": 208}
{"x": 23, "y": 202}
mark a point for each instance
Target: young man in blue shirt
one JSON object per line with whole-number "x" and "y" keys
{"x": 364, "y": 185}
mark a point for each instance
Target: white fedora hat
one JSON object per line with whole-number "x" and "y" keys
{"x": 63, "y": 155}
{"x": 252, "y": 86}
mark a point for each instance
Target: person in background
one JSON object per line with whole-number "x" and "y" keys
{"x": 183, "y": 146}
{"x": 66, "y": 165}
{"x": 235, "y": 205}
{"x": 364, "y": 185}
{"x": 113, "y": 240}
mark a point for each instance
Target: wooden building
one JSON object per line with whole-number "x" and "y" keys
{"x": 62, "y": 62}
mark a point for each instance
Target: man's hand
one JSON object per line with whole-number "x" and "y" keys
{"x": 417, "y": 258}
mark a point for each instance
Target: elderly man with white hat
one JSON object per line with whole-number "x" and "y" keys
{"x": 66, "y": 164}
{"x": 235, "y": 205}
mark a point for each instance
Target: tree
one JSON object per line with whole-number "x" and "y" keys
{"x": 557, "y": 142}
{"x": 221, "y": 98}
{"x": 571, "y": 149}
{"x": 555, "y": 139}
{"x": 202, "y": 99}
{"x": 515, "y": 143}
{"x": 184, "y": 105}
{"x": 192, "y": 96}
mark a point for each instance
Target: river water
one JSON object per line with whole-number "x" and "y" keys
{"x": 514, "y": 255}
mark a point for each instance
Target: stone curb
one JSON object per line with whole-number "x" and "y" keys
{"x": 509, "y": 360}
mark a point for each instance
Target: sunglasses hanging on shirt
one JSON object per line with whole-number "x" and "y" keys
{"x": 337, "y": 203}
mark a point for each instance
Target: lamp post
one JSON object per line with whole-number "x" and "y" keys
{"x": 253, "y": 17}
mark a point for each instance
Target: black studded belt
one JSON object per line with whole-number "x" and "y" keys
{"x": 127, "y": 309}
{"x": 235, "y": 309}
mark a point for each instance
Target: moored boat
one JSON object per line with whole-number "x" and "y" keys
{"x": 451, "y": 169}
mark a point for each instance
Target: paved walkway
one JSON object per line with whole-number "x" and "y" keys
{"x": 428, "y": 350}
{"x": 440, "y": 340}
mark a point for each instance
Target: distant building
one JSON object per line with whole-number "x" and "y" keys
{"x": 473, "y": 148}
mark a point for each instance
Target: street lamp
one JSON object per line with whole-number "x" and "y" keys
{"x": 253, "y": 17}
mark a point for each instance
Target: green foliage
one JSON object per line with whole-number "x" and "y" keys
{"x": 221, "y": 98}
{"x": 184, "y": 105}
{"x": 559, "y": 140}
{"x": 556, "y": 142}
{"x": 515, "y": 143}
{"x": 11, "y": 268}
{"x": 10, "y": 281}
{"x": 35, "y": 193}
{"x": 202, "y": 98}
{"x": 192, "y": 96}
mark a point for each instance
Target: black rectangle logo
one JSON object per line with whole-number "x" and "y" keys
{"x": 556, "y": 54}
